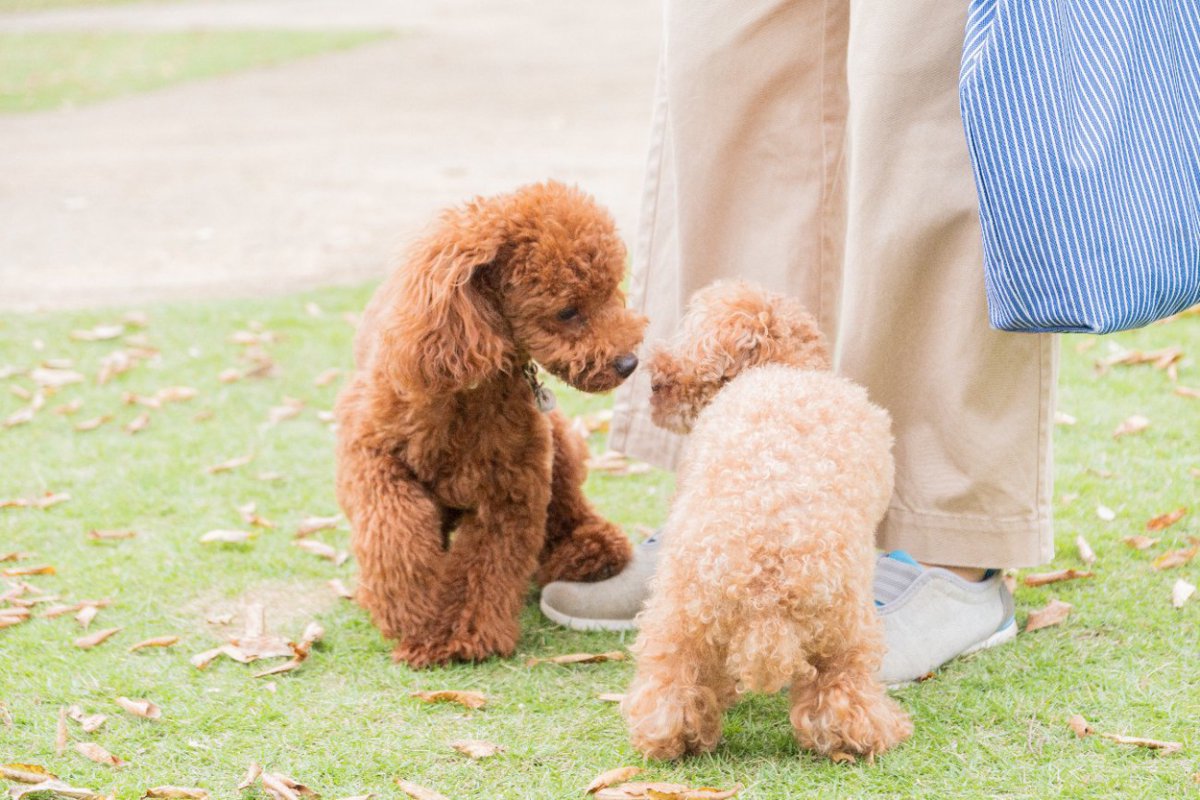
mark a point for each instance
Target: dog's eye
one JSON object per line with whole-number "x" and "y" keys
{"x": 568, "y": 314}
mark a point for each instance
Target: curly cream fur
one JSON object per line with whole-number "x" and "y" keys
{"x": 766, "y": 570}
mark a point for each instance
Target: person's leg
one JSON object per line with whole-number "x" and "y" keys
{"x": 744, "y": 174}
{"x": 971, "y": 407}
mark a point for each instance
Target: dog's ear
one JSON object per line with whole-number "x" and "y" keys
{"x": 441, "y": 330}
{"x": 801, "y": 341}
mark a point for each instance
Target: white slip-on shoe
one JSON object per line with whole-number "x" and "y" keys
{"x": 931, "y": 616}
{"x": 608, "y": 605}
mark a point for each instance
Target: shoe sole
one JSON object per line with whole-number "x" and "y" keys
{"x": 1002, "y": 636}
{"x": 584, "y": 623}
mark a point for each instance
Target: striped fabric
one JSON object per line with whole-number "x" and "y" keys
{"x": 1083, "y": 125}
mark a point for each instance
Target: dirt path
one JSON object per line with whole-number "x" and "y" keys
{"x": 315, "y": 172}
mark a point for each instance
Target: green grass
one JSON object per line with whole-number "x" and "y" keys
{"x": 990, "y": 725}
{"x": 62, "y": 69}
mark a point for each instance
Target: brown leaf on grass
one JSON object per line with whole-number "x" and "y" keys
{"x": 279, "y": 785}
{"x": 1086, "y": 554}
{"x": 1166, "y": 520}
{"x": 26, "y": 773}
{"x": 327, "y": 417}
{"x": 1080, "y": 725}
{"x": 60, "y": 732}
{"x": 1185, "y": 391}
{"x": 97, "y": 638}
{"x": 250, "y": 516}
{"x": 58, "y": 788}
{"x": 93, "y": 423}
{"x": 1063, "y": 418}
{"x": 45, "y": 501}
{"x": 50, "y": 378}
{"x": 176, "y": 793}
{"x": 612, "y": 462}
{"x": 86, "y": 615}
{"x": 321, "y": 550}
{"x": 99, "y": 333}
{"x": 638, "y": 790}
{"x": 67, "y": 409}
{"x": 175, "y": 394}
{"x": 15, "y": 572}
{"x": 611, "y": 778}
{"x": 1140, "y": 542}
{"x": 418, "y": 792}
{"x": 477, "y": 748}
{"x": 340, "y": 589}
{"x": 131, "y": 398}
{"x": 290, "y": 407}
{"x": 98, "y": 754}
{"x": 231, "y": 464}
{"x": 310, "y": 525}
{"x": 1043, "y": 578}
{"x": 1054, "y": 613}
{"x": 22, "y": 417}
{"x": 229, "y": 375}
{"x": 1134, "y": 424}
{"x": 15, "y": 555}
{"x": 252, "y": 773}
{"x": 226, "y": 537}
{"x": 1152, "y": 744}
{"x": 98, "y": 536}
{"x": 1180, "y": 592}
{"x": 313, "y": 633}
{"x": 89, "y": 722}
{"x": 59, "y": 610}
{"x": 10, "y": 617}
{"x": 468, "y": 699}
{"x": 579, "y": 658}
{"x": 1174, "y": 558}
{"x": 327, "y": 377}
{"x": 610, "y": 697}
{"x": 1161, "y": 359}
{"x": 140, "y": 708}
{"x": 154, "y": 641}
{"x": 137, "y": 424}
{"x": 269, "y": 477}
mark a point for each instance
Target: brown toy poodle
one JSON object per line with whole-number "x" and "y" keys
{"x": 764, "y": 580}
{"x": 459, "y": 481}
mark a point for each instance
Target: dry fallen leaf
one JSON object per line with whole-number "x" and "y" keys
{"x": 1043, "y": 578}
{"x": 1054, "y": 613}
{"x": 1105, "y": 513}
{"x": 281, "y": 787}
{"x": 468, "y": 699}
{"x": 98, "y": 536}
{"x": 313, "y": 633}
{"x": 25, "y": 773}
{"x": 610, "y": 697}
{"x": 89, "y": 722}
{"x": 226, "y": 537}
{"x": 1086, "y": 554}
{"x": 613, "y": 462}
{"x": 99, "y": 333}
{"x": 175, "y": 394}
{"x": 60, "y": 732}
{"x": 321, "y": 550}
{"x": 327, "y": 377}
{"x": 67, "y": 409}
{"x": 93, "y": 423}
{"x": 1174, "y": 558}
{"x": 140, "y": 708}
{"x": 1078, "y": 724}
{"x": 98, "y": 754}
{"x": 1140, "y": 542}
{"x": 476, "y": 748}
{"x": 1152, "y": 744}
{"x": 1180, "y": 592}
{"x": 290, "y": 407}
{"x": 611, "y": 778}
{"x": 578, "y": 658}
{"x": 231, "y": 464}
{"x": 1063, "y": 418}
{"x": 1166, "y": 520}
{"x": 58, "y": 788}
{"x": 310, "y": 525}
{"x": 86, "y": 615}
{"x": 250, "y": 516}
{"x": 664, "y": 791}
{"x": 156, "y": 641}
{"x": 1134, "y": 424}
{"x": 340, "y": 589}
{"x": 252, "y": 773}
{"x": 10, "y": 617}
{"x": 1186, "y": 391}
{"x": 99, "y": 637}
{"x": 45, "y": 501}
{"x": 418, "y": 792}
{"x": 54, "y": 378}
{"x": 179, "y": 792}
{"x": 16, "y": 572}
{"x": 137, "y": 424}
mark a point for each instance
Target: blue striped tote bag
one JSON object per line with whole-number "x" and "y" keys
{"x": 1083, "y": 126}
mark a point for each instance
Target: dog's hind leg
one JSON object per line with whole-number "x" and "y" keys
{"x": 580, "y": 544}
{"x": 843, "y": 709}
{"x": 397, "y": 539}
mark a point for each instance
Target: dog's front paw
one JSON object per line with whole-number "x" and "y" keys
{"x": 422, "y": 652}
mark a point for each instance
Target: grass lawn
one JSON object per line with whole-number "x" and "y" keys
{"x": 994, "y": 724}
{"x": 62, "y": 69}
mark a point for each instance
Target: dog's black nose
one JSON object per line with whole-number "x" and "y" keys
{"x": 625, "y": 365}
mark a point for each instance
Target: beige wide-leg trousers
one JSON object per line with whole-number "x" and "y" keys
{"x": 815, "y": 147}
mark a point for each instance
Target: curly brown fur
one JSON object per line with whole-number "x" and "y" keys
{"x": 459, "y": 490}
{"x": 766, "y": 568}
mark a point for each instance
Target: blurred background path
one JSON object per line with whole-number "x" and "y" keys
{"x": 315, "y": 171}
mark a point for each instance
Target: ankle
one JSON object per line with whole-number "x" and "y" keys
{"x": 973, "y": 574}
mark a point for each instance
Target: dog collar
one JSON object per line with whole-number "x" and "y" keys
{"x": 541, "y": 395}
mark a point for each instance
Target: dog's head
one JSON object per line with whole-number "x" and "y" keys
{"x": 534, "y": 274}
{"x": 728, "y": 327}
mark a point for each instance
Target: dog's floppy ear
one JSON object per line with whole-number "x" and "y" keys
{"x": 441, "y": 332}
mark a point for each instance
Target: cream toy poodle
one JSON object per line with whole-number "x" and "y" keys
{"x": 765, "y": 576}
